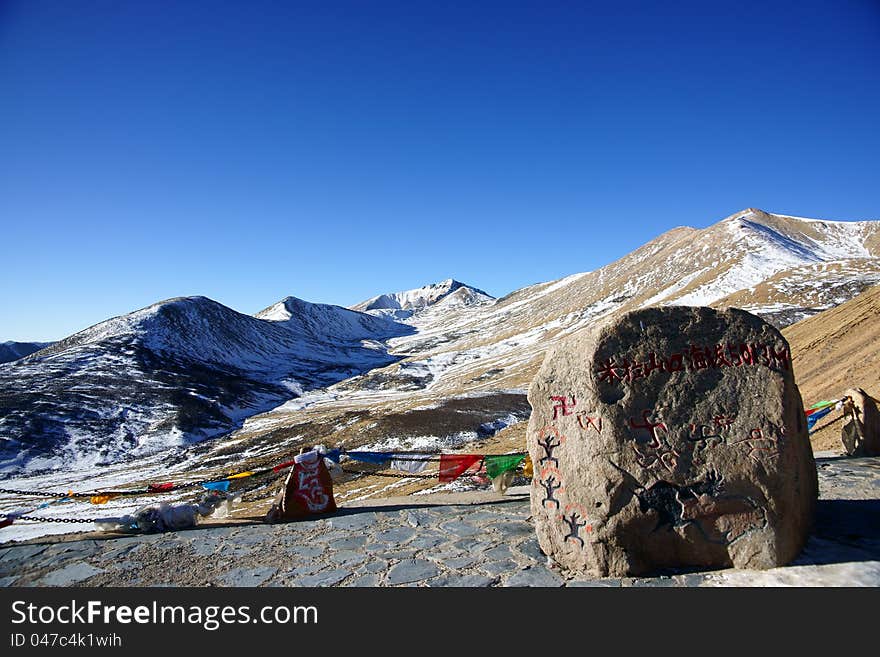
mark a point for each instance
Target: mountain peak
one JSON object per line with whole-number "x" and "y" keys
{"x": 420, "y": 298}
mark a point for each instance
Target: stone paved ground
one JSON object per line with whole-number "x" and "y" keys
{"x": 414, "y": 544}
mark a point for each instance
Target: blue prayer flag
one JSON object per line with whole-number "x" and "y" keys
{"x": 371, "y": 457}
{"x": 812, "y": 419}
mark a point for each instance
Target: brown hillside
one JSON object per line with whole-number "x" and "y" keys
{"x": 836, "y": 350}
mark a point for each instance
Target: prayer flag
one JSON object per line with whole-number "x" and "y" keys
{"x": 57, "y": 500}
{"x": 496, "y": 464}
{"x": 306, "y": 457}
{"x": 378, "y": 458}
{"x": 453, "y": 465}
{"x": 410, "y": 463}
{"x": 241, "y": 475}
{"x": 528, "y": 468}
{"x": 217, "y": 485}
{"x": 281, "y": 466}
{"x": 333, "y": 455}
{"x": 6, "y": 522}
{"x": 815, "y": 417}
{"x": 160, "y": 488}
{"x": 103, "y": 498}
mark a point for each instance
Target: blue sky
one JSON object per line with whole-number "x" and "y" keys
{"x": 247, "y": 151}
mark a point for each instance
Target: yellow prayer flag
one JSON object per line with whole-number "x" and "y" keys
{"x": 240, "y": 475}
{"x": 103, "y": 499}
{"x": 528, "y": 468}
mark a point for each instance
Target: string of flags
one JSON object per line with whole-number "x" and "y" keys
{"x": 451, "y": 467}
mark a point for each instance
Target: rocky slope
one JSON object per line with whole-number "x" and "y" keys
{"x": 836, "y": 350}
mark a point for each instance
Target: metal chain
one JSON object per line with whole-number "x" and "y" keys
{"x": 31, "y": 492}
{"x": 394, "y": 475}
{"x": 64, "y": 520}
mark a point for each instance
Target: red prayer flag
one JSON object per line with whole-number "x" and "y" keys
{"x": 5, "y": 522}
{"x": 281, "y": 466}
{"x": 160, "y": 488}
{"x": 453, "y": 465}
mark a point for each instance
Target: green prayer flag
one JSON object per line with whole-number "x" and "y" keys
{"x": 496, "y": 464}
{"x": 822, "y": 404}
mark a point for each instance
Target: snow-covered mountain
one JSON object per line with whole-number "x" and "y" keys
{"x": 463, "y": 362}
{"x": 173, "y": 373}
{"x": 10, "y": 351}
{"x": 438, "y": 367}
{"x": 402, "y": 305}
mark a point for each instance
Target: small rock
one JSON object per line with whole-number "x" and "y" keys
{"x": 424, "y": 542}
{"x": 326, "y": 578}
{"x": 70, "y": 574}
{"x": 354, "y": 521}
{"x": 411, "y": 570}
{"x": 418, "y": 518}
{"x": 482, "y": 516}
{"x": 498, "y": 552}
{"x": 399, "y": 554}
{"x": 535, "y": 576}
{"x": 460, "y": 528}
{"x": 471, "y": 546}
{"x": 305, "y": 569}
{"x": 22, "y": 553}
{"x": 376, "y": 566}
{"x": 690, "y": 580}
{"x": 458, "y": 563}
{"x": 205, "y": 548}
{"x": 511, "y": 530}
{"x": 471, "y": 581}
{"x": 499, "y": 567}
{"x": 349, "y": 543}
{"x": 122, "y": 551}
{"x": 605, "y": 582}
{"x": 247, "y": 576}
{"x": 531, "y": 549}
{"x": 306, "y": 551}
{"x": 651, "y": 582}
{"x": 365, "y": 581}
{"x": 347, "y": 557}
{"x": 396, "y": 535}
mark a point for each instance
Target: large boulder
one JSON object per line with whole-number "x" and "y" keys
{"x": 670, "y": 438}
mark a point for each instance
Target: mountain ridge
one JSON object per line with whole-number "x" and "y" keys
{"x": 182, "y": 396}
{"x": 10, "y": 351}
{"x": 434, "y": 373}
{"x": 169, "y": 374}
